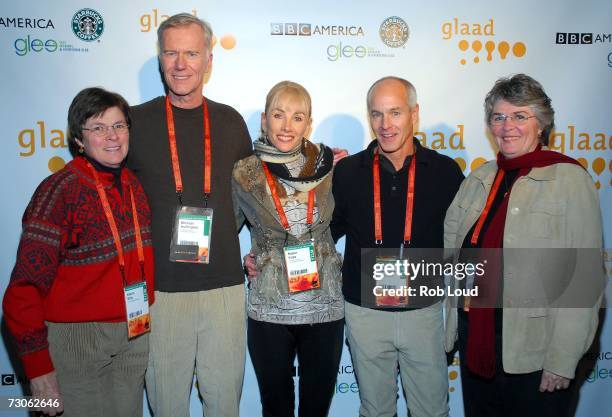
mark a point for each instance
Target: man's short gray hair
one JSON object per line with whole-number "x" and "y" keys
{"x": 185, "y": 19}
{"x": 410, "y": 90}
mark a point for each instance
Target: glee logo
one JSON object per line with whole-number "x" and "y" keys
{"x": 335, "y": 52}
{"x": 25, "y": 45}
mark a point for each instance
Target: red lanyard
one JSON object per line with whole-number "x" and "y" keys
{"x": 277, "y": 203}
{"x": 176, "y": 169}
{"x": 409, "y": 200}
{"x": 485, "y": 212}
{"x": 113, "y": 226}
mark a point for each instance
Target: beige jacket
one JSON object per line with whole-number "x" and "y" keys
{"x": 551, "y": 207}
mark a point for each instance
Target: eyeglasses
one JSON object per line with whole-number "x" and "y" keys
{"x": 101, "y": 131}
{"x": 518, "y": 118}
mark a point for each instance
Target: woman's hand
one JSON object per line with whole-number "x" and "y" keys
{"x": 552, "y": 382}
{"x": 45, "y": 387}
{"x": 250, "y": 269}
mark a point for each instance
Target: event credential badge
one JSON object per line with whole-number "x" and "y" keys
{"x": 301, "y": 263}
{"x": 394, "y": 286}
{"x": 137, "y": 309}
{"x": 191, "y": 236}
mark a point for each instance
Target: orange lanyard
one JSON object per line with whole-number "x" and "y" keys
{"x": 409, "y": 200}
{"x": 113, "y": 226}
{"x": 485, "y": 212}
{"x": 176, "y": 169}
{"x": 277, "y": 203}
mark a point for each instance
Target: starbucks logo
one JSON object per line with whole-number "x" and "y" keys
{"x": 394, "y": 32}
{"x": 87, "y": 25}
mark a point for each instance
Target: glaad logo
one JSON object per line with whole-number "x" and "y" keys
{"x": 596, "y": 144}
{"x": 149, "y": 21}
{"x": 394, "y": 32}
{"x": 87, "y": 25}
{"x": 492, "y": 48}
{"x": 40, "y": 137}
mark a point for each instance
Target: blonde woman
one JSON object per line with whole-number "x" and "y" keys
{"x": 295, "y": 304}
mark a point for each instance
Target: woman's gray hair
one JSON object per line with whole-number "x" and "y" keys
{"x": 185, "y": 19}
{"x": 522, "y": 90}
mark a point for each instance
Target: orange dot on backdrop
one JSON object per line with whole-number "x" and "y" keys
{"x": 55, "y": 164}
{"x": 228, "y": 42}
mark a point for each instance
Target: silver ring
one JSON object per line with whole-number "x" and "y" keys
{"x": 558, "y": 387}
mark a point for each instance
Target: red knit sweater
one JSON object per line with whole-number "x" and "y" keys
{"x": 66, "y": 269}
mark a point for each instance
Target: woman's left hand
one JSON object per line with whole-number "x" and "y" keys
{"x": 46, "y": 388}
{"x": 552, "y": 382}
{"x": 339, "y": 154}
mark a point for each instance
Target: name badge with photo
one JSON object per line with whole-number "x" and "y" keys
{"x": 191, "y": 236}
{"x": 137, "y": 309}
{"x": 301, "y": 263}
{"x": 394, "y": 286}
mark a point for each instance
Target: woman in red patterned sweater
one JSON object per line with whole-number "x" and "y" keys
{"x": 77, "y": 302}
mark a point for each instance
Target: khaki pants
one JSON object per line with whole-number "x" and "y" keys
{"x": 203, "y": 331}
{"x": 100, "y": 373}
{"x": 380, "y": 341}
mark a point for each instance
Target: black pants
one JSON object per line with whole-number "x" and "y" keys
{"x": 273, "y": 348}
{"x": 506, "y": 395}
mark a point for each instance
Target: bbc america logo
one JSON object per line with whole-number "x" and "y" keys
{"x": 301, "y": 29}
{"x": 8, "y": 379}
{"x": 308, "y": 29}
{"x": 568, "y": 38}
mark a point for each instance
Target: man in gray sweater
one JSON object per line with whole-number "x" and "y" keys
{"x": 183, "y": 148}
